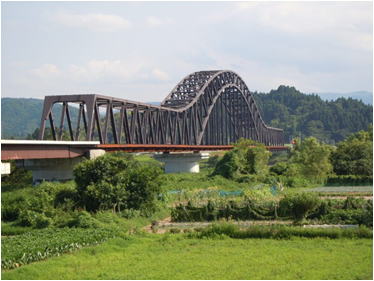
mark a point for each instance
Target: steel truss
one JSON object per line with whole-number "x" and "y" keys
{"x": 205, "y": 108}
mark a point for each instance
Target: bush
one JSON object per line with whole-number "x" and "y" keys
{"x": 298, "y": 205}
{"x": 33, "y": 219}
{"x": 311, "y": 160}
{"x": 279, "y": 168}
{"x": 116, "y": 183}
{"x": 279, "y": 232}
{"x": 247, "y": 157}
{"x": 354, "y": 156}
{"x": 247, "y": 209}
{"x": 351, "y": 180}
{"x": 228, "y": 166}
{"x": 11, "y": 206}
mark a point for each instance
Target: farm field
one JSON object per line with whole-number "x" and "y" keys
{"x": 175, "y": 256}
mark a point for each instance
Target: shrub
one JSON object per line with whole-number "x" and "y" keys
{"x": 228, "y": 166}
{"x": 311, "y": 160}
{"x": 112, "y": 182}
{"x": 279, "y": 232}
{"x": 349, "y": 180}
{"x": 354, "y": 156}
{"x": 353, "y": 216}
{"x": 11, "y": 206}
{"x": 33, "y": 219}
{"x": 279, "y": 168}
{"x": 298, "y": 205}
{"x": 247, "y": 157}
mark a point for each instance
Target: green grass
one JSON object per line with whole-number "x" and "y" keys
{"x": 189, "y": 181}
{"x": 9, "y": 229}
{"x": 177, "y": 257}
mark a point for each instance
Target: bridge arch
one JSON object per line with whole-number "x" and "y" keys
{"x": 204, "y": 90}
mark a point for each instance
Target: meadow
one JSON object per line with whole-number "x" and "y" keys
{"x": 175, "y": 256}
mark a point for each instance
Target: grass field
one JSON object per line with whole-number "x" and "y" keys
{"x": 177, "y": 257}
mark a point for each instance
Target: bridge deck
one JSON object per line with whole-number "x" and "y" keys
{"x": 28, "y": 149}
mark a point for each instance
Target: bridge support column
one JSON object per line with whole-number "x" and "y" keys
{"x": 181, "y": 162}
{"x": 55, "y": 169}
{"x": 5, "y": 168}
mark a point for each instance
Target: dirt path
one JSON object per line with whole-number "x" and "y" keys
{"x": 345, "y": 197}
{"x": 166, "y": 224}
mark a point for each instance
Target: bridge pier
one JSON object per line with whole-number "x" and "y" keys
{"x": 5, "y": 168}
{"x": 181, "y": 162}
{"x": 55, "y": 169}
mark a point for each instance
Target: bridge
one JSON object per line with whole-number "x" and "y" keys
{"x": 206, "y": 111}
{"x": 205, "y": 108}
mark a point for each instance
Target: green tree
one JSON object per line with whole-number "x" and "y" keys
{"x": 228, "y": 166}
{"x": 312, "y": 159}
{"x": 247, "y": 157}
{"x": 354, "y": 156}
{"x": 117, "y": 183}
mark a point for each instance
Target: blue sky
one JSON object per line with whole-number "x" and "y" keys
{"x": 141, "y": 50}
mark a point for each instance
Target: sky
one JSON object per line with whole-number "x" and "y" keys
{"x": 141, "y": 50}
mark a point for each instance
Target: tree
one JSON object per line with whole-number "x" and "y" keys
{"x": 354, "y": 156}
{"x": 247, "y": 157}
{"x": 117, "y": 183}
{"x": 312, "y": 159}
{"x": 228, "y": 166}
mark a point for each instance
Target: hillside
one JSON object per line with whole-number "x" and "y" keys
{"x": 21, "y": 116}
{"x": 286, "y": 108}
{"x": 309, "y": 115}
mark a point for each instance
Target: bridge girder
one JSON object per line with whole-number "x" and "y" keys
{"x": 205, "y": 108}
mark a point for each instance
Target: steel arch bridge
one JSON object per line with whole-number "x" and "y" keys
{"x": 205, "y": 108}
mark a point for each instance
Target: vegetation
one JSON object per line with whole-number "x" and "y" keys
{"x": 295, "y": 206}
{"x": 174, "y": 257}
{"x": 117, "y": 195}
{"x": 308, "y": 115}
{"x": 117, "y": 183}
{"x": 299, "y": 205}
{"x": 37, "y": 245}
{"x": 247, "y": 157}
{"x": 279, "y": 232}
{"x": 354, "y": 156}
{"x": 27, "y": 118}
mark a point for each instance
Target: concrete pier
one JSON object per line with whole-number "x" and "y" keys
{"x": 5, "y": 168}
{"x": 55, "y": 169}
{"x": 180, "y": 162}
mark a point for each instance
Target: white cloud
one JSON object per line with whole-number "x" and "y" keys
{"x": 46, "y": 71}
{"x": 95, "y": 22}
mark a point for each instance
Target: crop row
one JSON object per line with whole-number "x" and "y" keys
{"x": 41, "y": 244}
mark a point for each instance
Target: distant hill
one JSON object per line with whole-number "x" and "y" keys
{"x": 20, "y": 116}
{"x": 309, "y": 115}
{"x": 286, "y": 108}
{"x": 364, "y": 96}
